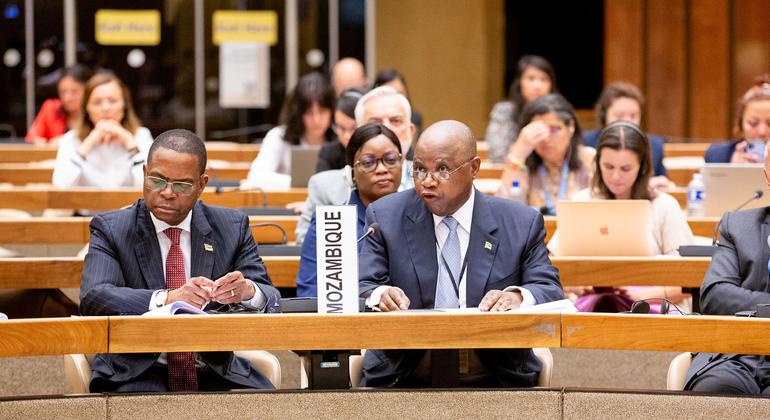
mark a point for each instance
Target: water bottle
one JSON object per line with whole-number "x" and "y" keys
{"x": 695, "y": 196}
{"x": 516, "y": 194}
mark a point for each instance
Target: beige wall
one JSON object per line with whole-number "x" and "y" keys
{"x": 451, "y": 52}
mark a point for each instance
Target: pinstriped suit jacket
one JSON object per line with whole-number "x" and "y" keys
{"x": 123, "y": 268}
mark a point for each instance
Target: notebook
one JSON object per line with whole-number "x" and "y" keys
{"x": 303, "y": 163}
{"x": 605, "y": 228}
{"x": 727, "y": 186}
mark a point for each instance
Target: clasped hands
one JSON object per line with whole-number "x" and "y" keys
{"x": 199, "y": 291}
{"x": 494, "y": 301}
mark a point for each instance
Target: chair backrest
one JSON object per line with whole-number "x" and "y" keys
{"x": 677, "y": 371}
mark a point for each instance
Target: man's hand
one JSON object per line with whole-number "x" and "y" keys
{"x": 393, "y": 299}
{"x": 499, "y": 301}
{"x": 197, "y": 292}
{"x": 232, "y": 288}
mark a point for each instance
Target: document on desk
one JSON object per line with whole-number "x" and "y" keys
{"x": 175, "y": 308}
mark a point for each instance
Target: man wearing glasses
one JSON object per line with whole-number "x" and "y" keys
{"x": 166, "y": 248}
{"x": 446, "y": 245}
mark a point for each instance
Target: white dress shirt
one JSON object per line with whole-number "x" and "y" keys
{"x": 464, "y": 217}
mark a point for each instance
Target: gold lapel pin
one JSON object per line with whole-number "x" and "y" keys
{"x": 488, "y": 245}
{"x": 208, "y": 247}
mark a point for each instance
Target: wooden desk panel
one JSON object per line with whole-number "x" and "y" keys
{"x": 720, "y": 334}
{"x": 219, "y": 150}
{"x": 491, "y": 170}
{"x": 333, "y": 332}
{"x": 51, "y": 336}
{"x": 631, "y": 271}
{"x": 673, "y": 149}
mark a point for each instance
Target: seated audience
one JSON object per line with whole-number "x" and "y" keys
{"x": 444, "y": 244}
{"x": 382, "y": 105}
{"x": 56, "y": 116}
{"x": 109, "y": 146}
{"x": 306, "y": 120}
{"x": 332, "y": 154}
{"x": 736, "y": 281}
{"x": 548, "y": 159}
{"x": 395, "y": 79}
{"x": 374, "y": 154}
{"x": 752, "y": 128}
{"x": 624, "y": 101}
{"x": 535, "y": 77}
{"x": 166, "y": 248}
{"x": 622, "y": 171}
{"x": 348, "y": 73}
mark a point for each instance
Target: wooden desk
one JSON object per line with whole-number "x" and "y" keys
{"x": 673, "y": 149}
{"x": 700, "y": 226}
{"x": 50, "y": 336}
{"x": 719, "y": 334}
{"x": 333, "y": 332}
{"x": 491, "y": 170}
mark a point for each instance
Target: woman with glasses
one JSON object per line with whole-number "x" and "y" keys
{"x": 374, "y": 154}
{"x": 109, "y": 146}
{"x": 548, "y": 160}
{"x": 332, "y": 154}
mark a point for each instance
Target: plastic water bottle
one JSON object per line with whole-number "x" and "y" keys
{"x": 516, "y": 194}
{"x": 695, "y": 196}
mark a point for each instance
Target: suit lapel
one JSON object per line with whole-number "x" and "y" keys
{"x": 147, "y": 250}
{"x": 202, "y": 248}
{"x": 421, "y": 240}
{"x": 482, "y": 249}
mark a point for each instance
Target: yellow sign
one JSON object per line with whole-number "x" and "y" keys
{"x": 243, "y": 26}
{"x": 127, "y": 27}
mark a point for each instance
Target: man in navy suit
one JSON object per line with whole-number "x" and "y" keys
{"x": 444, "y": 244}
{"x": 166, "y": 248}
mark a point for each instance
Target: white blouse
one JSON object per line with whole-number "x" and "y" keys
{"x": 105, "y": 166}
{"x": 271, "y": 169}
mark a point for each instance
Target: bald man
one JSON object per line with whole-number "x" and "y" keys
{"x": 444, "y": 244}
{"x": 348, "y": 73}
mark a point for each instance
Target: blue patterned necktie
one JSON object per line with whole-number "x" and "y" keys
{"x": 446, "y": 296}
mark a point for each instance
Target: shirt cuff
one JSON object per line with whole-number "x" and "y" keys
{"x": 258, "y": 301}
{"x": 152, "y": 300}
{"x": 373, "y": 301}
{"x": 527, "y": 299}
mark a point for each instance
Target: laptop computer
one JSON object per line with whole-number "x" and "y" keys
{"x": 303, "y": 163}
{"x": 605, "y": 228}
{"x": 727, "y": 186}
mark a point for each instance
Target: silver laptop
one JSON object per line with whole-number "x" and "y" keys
{"x": 605, "y": 228}
{"x": 727, "y": 186}
{"x": 303, "y": 163}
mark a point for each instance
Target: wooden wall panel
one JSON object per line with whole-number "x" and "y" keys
{"x": 751, "y": 44}
{"x": 624, "y": 41}
{"x": 708, "y": 86}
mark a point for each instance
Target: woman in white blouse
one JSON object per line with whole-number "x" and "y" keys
{"x": 306, "y": 120}
{"x": 623, "y": 167}
{"x": 109, "y": 147}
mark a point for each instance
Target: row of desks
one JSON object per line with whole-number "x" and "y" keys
{"x": 400, "y": 330}
{"x": 48, "y": 273}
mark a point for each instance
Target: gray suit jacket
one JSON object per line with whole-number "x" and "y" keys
{"x": 327, "y": 188}
{"x": 737, "y": 279}
{"x": 123, "y": 268}
{"x": 506, "y": 248}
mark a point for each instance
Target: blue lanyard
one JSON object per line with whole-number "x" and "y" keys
{"x": 563, "y": 185}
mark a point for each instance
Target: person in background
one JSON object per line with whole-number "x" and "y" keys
{"x": 535, "y": 77}
{"x": 306, "y": 120}
{"x": 56, "y": 116}
{"x": 624, "y": 101}
{"x": 348, "y": 73}
{"x": 109, "y": 145}
{"x": 374, "y": 154}
{"x": 548, "y": 158}
{"x": 622, "y": 171}
{"x": 332, "y": 154}
{"x": 752, "y": 128}
{"x": 395, "y": 79}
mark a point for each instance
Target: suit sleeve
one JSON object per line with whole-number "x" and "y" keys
{"x": 538, "y": 275}
{"x": 103, "y": 288}
{"x": 250, "y": 264}
{"x": 373, "y": 265}
{"x": 307, "y": 276}
{"x": 657, "y": 155}
{"x": 722, "y": 292}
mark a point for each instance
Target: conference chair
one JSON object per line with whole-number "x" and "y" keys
{"x": 677, "y": 371}
{"x": 77, "y": 369}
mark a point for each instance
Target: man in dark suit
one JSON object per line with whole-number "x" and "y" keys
{"x": 166, "y": 248}
{"x": 737, "y": 280}
{"x": 443, "y": 245}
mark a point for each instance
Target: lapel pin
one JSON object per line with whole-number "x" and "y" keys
{"x": 488, "y": 246}
{"x": 208, "y": 247}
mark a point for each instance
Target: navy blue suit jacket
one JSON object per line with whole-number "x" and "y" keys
{"x": 720, "y": 152}
{"x": 403, "y": 254}
{"x": 591, "y": 138}
{"x": 123, "y": 268}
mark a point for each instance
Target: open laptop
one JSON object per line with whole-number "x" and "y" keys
{"x": 303, "y": 163}
{"x": 727, "y": 186}
{"x": 605, "y": 228}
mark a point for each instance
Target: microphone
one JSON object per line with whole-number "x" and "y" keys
{"x": 756, "y": 196}
{"x": 370, "y": 231}
{"x": 275, "y": 225}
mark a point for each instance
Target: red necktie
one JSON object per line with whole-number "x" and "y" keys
{"x": 181, "y": 365}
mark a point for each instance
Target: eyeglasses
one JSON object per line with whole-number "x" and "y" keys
{"x": 153, "y": 183}
{"x": 389, "y": 160}
{"x": 443, "y": 174}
